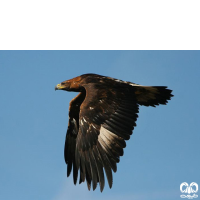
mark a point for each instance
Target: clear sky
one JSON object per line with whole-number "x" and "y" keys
{"x": 163, "y": 151}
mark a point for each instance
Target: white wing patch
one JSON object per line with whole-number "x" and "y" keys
{"x": 106, "y": 136}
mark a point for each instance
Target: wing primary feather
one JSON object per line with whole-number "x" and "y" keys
{"x": 107, "y": 136}
{"x": 94, "y": 172}
{"x": 88, "y": 170}
{"x": 117, "y": 132}
{"x": 113, "y": 137}
{"x": 75, "y": 172}
{"x": 111, "y": 159}
{"x": 82, "y": 168}
{"x": 106, "y": 164}
{"x": 126, "y": 121}
{"x": 125, "y": 109}
{"x": 69, "y": 168}
{"x": 77, "y": 156}
{"x": 121, "y": 126}
{"x": 124, "y": 113}
{"x": 122, "y": 116}
{"x": 99, "y": 166}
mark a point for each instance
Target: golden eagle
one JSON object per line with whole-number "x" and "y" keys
{"x": 101, "y": 118}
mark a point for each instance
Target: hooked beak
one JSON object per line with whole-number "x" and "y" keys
{"x": 59, "y": 87}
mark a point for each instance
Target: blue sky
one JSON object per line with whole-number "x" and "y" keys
{"x": 162, "y": 153}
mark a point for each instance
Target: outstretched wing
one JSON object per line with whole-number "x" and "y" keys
{"x": 72, "y": 132}
{"x": 107, "y": 118}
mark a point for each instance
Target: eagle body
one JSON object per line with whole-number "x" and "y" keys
{"x": 101, "y": 118}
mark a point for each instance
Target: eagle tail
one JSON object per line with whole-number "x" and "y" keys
{"x": 152, "y": 95}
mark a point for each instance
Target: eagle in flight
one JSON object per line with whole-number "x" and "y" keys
{"x": 101, "y": 118}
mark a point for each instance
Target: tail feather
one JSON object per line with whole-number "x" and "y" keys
{"x": 152, "y": 95}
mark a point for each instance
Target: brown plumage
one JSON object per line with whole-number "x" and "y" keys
{"x": 101, "y": 117}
